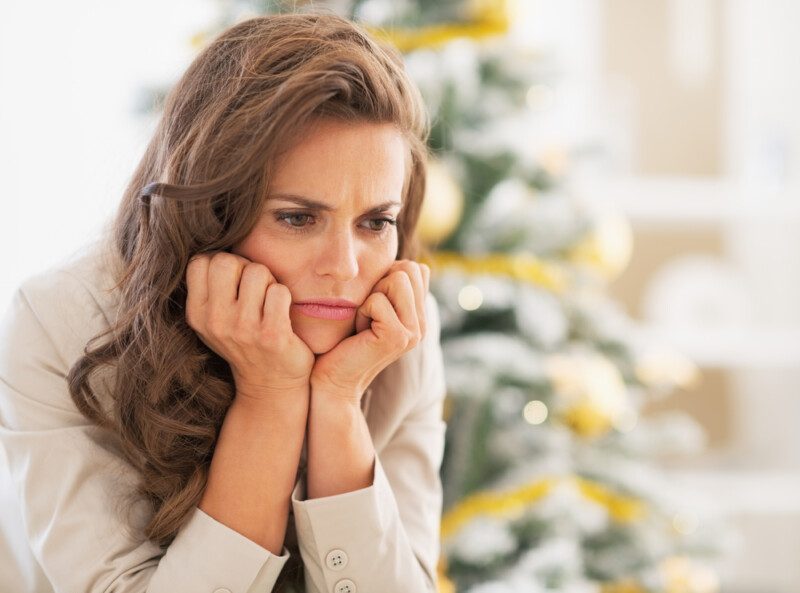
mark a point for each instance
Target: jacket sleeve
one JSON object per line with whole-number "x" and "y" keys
{"x": 384, "y": 537}
{"x": 67, "y": 475}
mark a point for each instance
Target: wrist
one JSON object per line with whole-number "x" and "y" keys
{"x": 344, "y": 395}
{"x": 272, "y": 400}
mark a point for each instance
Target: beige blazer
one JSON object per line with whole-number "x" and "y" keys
{"x": 60, "y": 477}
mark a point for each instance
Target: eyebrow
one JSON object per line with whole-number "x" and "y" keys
{"x": 309, "y": 203}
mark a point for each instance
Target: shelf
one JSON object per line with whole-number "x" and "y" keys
{"x": 740, "y": 491}
{"x": 692, "y": 201}
{"x": 731, "y": 348}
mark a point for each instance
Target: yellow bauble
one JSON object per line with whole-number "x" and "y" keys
{"x": 624, "y": 586}
{"x": 586, "y": 420}
{"x": 607, "y": 248}
{"x": 443, "y": 205}
{"x": 445, "y": 584}
{"x": 591, "y": 391}
{"x": 683, "y": 575}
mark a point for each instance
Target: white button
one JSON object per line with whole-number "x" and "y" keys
{"x": 345, "y": 586}
{"x": 222, "y": 590}
{"x": 336, "y": 559}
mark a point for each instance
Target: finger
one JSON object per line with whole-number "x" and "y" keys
{"x": 400, "y": 293}
{"x": 197, "y": 282}
{"x": 253, "y": 285}
{"x": 385, "y": 323}
{"x": 278, "y": 301}
{"x": 363, "y": 321}
{"x": 417, "y": 283}
{"x": 224, "y": 273}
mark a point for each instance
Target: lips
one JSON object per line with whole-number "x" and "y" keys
{"x": 334, "y": 309}
{"x": 330, "y": 302}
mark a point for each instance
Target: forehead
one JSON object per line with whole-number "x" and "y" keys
{"x": 344, "y": 162}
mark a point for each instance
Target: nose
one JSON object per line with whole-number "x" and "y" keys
{"x": 339, "y": 257}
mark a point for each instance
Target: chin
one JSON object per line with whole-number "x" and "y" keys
{"x": 321, "y": 339}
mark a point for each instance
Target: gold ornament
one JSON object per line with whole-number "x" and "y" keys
{"x": 443, "y": 204}
{"x": 624, "y": 509}
{"x": 622, "y": 586}
{"x": 591, "y": 390}
{"x": 682, "y": 575}
{"x": 511, "y": 504}
{"x": 607, "y": 248}
{"x": 445, "y": 584}
{"x": 586, "y": 420}
{"x": 520, "y": 266}
{"x": 487, "y": 18}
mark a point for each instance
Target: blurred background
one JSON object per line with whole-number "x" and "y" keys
{"x": 613, "y": 226}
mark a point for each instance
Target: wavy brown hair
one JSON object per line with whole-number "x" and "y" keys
{"x": 246, "y": 98}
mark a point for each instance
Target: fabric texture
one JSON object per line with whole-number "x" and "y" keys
{"x": 61, "y": 478}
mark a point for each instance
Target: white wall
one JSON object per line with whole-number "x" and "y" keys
{"x": 70, "y": 75}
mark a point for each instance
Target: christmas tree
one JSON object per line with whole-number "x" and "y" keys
{"x": 549, "y": 482}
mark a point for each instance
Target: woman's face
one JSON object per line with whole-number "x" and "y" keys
{"x": 341, "y": 247}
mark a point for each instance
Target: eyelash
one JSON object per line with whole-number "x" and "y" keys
{"x": 305, "y": 229}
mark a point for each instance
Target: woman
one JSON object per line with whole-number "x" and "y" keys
{"x": 176, "y": 412}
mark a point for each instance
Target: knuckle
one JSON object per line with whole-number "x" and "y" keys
{"x": 197, "y": 262}
{"x": 276, "y": 293}
{"x": 403, "y": 339}
{"x": 194, "y": 261}
{"x": 256, "y": 271}
{"x": 278, "y": 289}
{"x": 256, "y": 268}
{"x": 400, "y": 276}
{"x": 225, "y": 260}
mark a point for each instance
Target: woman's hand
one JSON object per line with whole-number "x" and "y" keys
{"x": 389, "y": 323}
{"x": 241, "y": 312}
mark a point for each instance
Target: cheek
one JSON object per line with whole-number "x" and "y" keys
{"x": 379, "y": 261}
{"x": 271, "y": 253}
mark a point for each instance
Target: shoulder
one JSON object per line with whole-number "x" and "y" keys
{"x": 59, "y": 309}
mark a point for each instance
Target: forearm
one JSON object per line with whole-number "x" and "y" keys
{"x": 341, "y": 455}
{"x": 254, "y": 468}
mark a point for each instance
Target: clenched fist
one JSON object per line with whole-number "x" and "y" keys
{"x": 389, "y": 323}
{"x": 241, "y": 312}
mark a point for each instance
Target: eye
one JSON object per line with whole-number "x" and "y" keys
{"x": 293, "y": 217}
{"x": 383, "y": 226}
{"x": 300, "y": 222}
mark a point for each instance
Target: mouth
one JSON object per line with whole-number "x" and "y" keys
{"x": 321, "y": 311}
{"x": 329, "y": 302}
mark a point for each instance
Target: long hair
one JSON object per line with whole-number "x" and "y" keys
{"x": 200, "y": 187}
